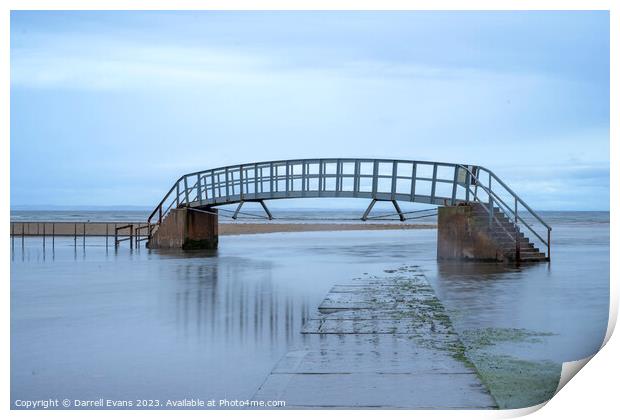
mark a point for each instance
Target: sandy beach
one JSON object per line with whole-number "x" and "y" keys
{"x": 254, "y": 228}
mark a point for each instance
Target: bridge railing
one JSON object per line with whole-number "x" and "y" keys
{"x": 381, "y": 179}
{"x": 435, "y": 183}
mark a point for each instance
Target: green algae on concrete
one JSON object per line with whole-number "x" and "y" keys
{"x": 387, "y": 337}
{"x": 483, "y": 337}
{"x": 513, "y": 382}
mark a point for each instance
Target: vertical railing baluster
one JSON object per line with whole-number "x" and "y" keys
{"x": 394, "y": 180}
{"x": 433, "y": 183}
{"x": 517, "y": 244}
{"x": 454, "y": 184}
{"x": 255, "y": 179}
{"x": 356, "y": 178}
{"x": 199, "y": 188}
{"x": 304, "y": 175}
{"x": 413, "y": 178}
{"x": 241, "y": 178}
{"x": 213, "y": 186}
{"x": 321, "y": 169}
{"x": 227, "y": 189}
{"x": 271, "y": 189}
{"x": 287, "y": 174}
{"x": 467, "y": 185}
{"x": 490, "y": 202}
{"x": 375, "y": 178}
{"x": 186, "y": 190}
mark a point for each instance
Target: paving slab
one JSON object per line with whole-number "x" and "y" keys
{"x": 378, "y": 343}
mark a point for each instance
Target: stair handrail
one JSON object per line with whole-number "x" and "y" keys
{"x": 507, "y": 209}
{"x": 488, "y": 210}
{"x": 177, "y": 201}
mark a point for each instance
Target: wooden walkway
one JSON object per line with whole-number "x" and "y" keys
{"x": 378, "y": 343}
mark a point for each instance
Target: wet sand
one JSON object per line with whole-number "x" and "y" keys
{"x": 109, "y": 228}
{"x": 253, "y": 228}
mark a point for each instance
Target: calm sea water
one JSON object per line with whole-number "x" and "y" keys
{"x": 426, "y": 216}
{"x": 91, "y": 322}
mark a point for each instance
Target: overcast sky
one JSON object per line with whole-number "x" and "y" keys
{"x": 109, "y": 108}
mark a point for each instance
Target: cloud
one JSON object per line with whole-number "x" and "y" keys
{"x": 177, "y": 92}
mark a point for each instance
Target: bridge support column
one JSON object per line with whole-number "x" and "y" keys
{"x": 187, "y": 229}
{"x": 460, "y": 237}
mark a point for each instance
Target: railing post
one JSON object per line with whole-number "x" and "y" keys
{"x": 213, "y": 186}
{"x": 199, "y": 188}
{"x": 375, "y": 178}
{"x": 490, "y": 202}
{"x": 548, "y": 244}
{"x": 356, "y": 178}
{"x": 186, "y": 190}
{"x": 433, "y": 183}
{"x": 413, "y": 178}
{"x": 467, "y": 186}
{"x": 241, "y": 180}
{"x": 490, "y": 211}
{"x": 518, "y": 247}
{"x": 256, "y": 179}
{"x": 227, "y": 186}
{"x": 394, "y": 180}
{"x": 455, "y": 182}
{"x": 304, "y": 174}
{"x": 271, "y": 168}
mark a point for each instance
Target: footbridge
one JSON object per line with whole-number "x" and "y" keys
{"x": 479, "y": 216}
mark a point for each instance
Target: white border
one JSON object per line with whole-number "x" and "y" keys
{"x": 594, "y": 386}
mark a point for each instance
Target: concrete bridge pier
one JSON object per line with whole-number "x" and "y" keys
{"x": 468, "y": 232}
{"x": 460, "y": 237}
{"x": 187, "y": 228}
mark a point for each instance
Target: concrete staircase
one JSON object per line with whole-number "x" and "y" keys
{"x": 504, "y": 235}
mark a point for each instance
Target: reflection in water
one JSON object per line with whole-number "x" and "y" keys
{"x": 486, "y": 271}
{"x": 215, "y": 300}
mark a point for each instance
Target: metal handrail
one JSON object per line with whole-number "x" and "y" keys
{"x": 519, "y": 199}
{"x": 506, "y": 209}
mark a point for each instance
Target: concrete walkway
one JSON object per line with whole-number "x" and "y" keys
{"x": 378, "y": 343}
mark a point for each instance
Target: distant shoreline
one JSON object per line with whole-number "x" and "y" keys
{"x": 80, "y": 228}
{"x": 255, "y": 228}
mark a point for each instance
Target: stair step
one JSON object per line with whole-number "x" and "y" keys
{"x": 527, "y": 257}
{"x": 511, "y": 247}
{"x": 528, "y": 252}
